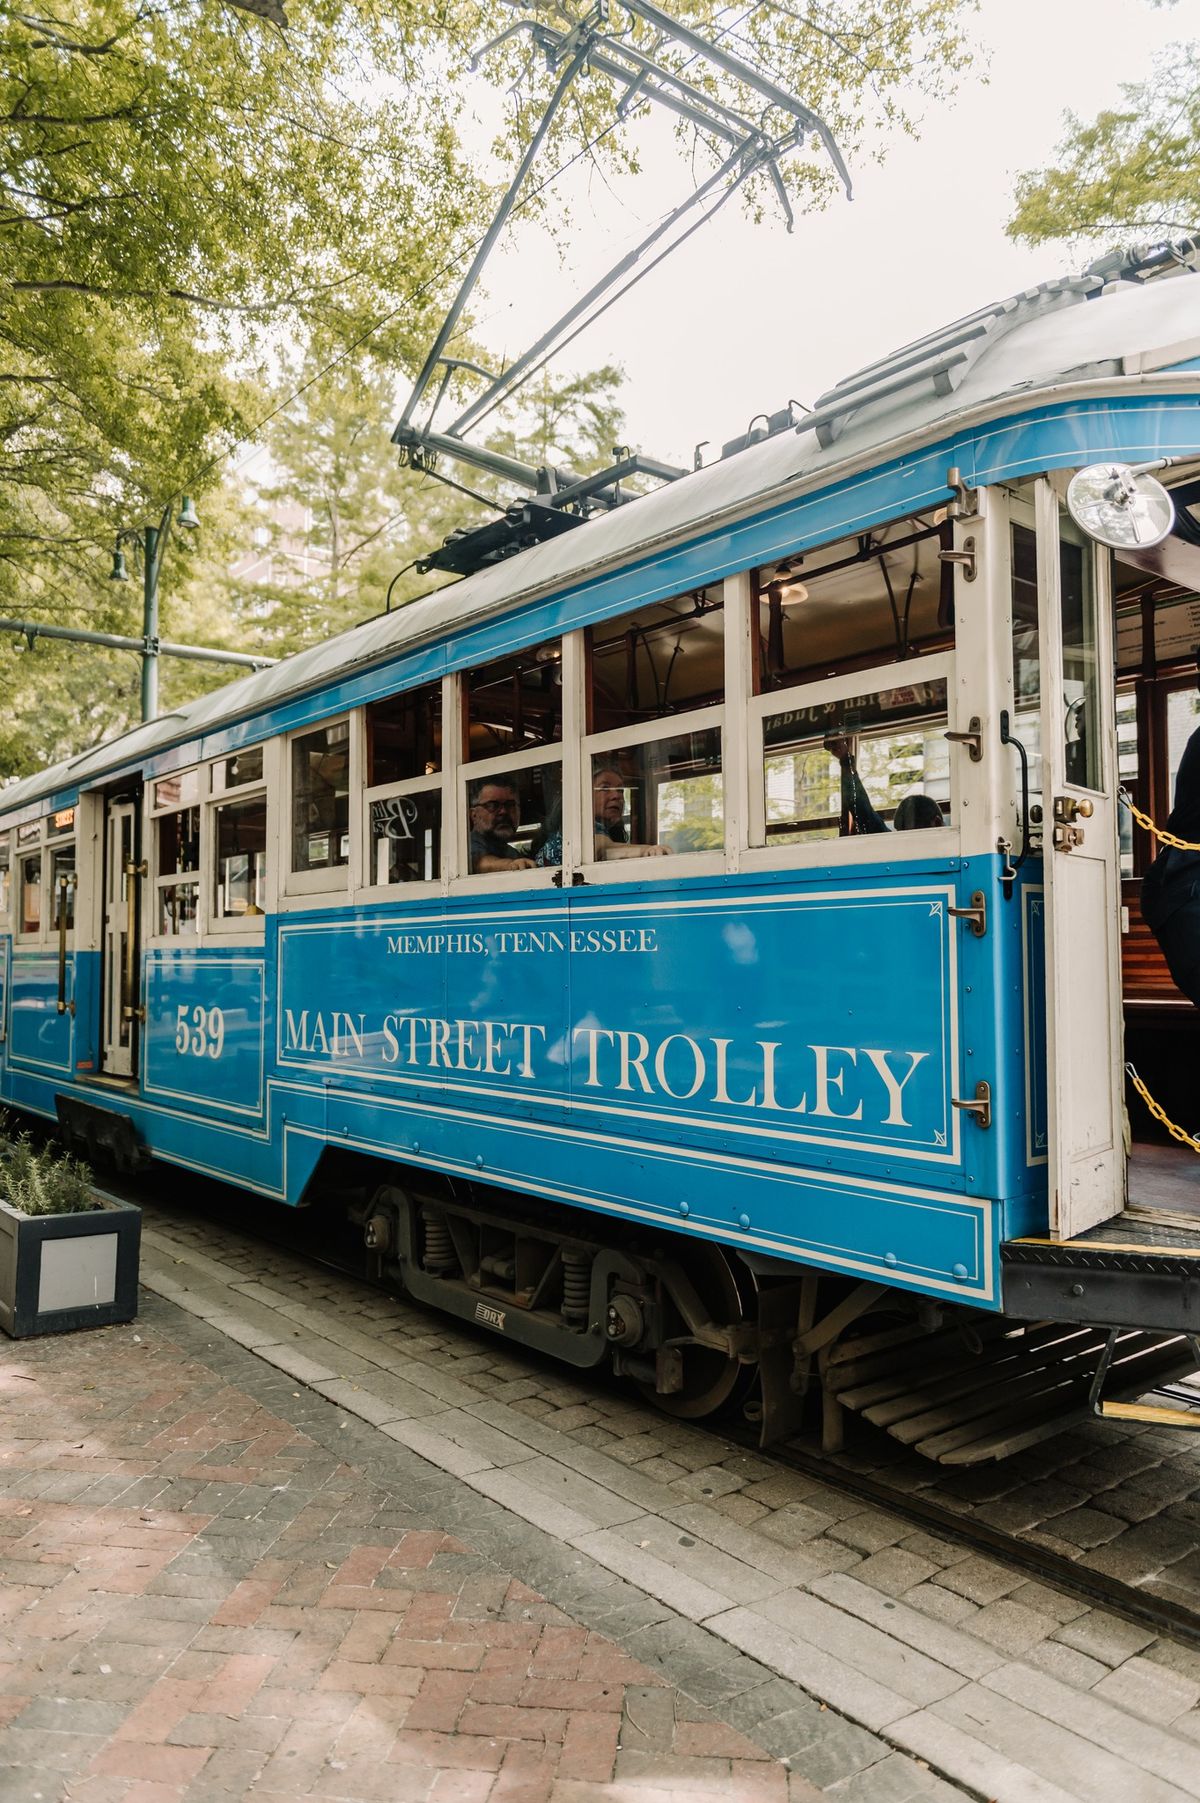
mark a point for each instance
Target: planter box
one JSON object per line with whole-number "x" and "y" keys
{"x": 60, "y": 1272}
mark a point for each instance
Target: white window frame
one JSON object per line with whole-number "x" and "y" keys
{"x": 625, "y": 738}
{"x": 363, "y": 887}
{"x": 155, "y": 883}
{"x": 237, "y": 929}
{"x": 6, "y": 852}
{"x": 44, "y": 845}
{"x": 308, "y": 887}
{"x": 482, "y": 770}
{"x": 857, "y": 848}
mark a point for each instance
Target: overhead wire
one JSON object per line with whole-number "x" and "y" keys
{"x": 384, "y": 319}
{"x": 611, "y": 300}
{"x": 452, "y": 263}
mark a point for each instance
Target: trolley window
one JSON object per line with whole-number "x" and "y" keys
{"x": 62, "y": 885}
{"x": 514, "y": 702}
{"x": 664, "y": 659}
{"x": 659, "y": 797}
{"x": 654, "y": 781}
{"x": 176, "y": 870}
{"x": 512, "y": 733}
{"x": 853, "y": 760}
{"x": 884, "y": 596}
{"x": 320, "y": 778}
{"x": 1080, "y": 666}
{"x": 1183, "y": 717}
{"x": 44, "y": 876}
{"x": 237, "y": 771}
{"x": 29, "y": 918}
{"x": 240, "y": 837}
{"x": 234, "y": 857}
{"x": 1027, "y": 665}
{"x": 514, "y": 820}
{"x": 1128, "y": 772}
{"x": 403, "y": 799}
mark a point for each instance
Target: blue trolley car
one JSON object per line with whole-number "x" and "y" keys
{"x": 698, "y": 940}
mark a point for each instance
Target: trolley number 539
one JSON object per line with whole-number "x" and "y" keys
{"x": 199, "y": 1032}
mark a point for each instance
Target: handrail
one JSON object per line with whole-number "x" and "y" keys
{"x": 66, "y": 882}
{"x": 129, "y": 970}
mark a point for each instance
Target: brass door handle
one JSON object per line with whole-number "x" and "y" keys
{"x": 980, "y": 1106}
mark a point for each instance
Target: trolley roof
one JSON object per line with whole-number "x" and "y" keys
{"x": 997, "y": 356}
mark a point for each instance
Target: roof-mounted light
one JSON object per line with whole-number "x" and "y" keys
{"x": 1121, "y": 505}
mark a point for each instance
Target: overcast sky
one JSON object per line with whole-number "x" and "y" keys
{"x": 745, "y": 317}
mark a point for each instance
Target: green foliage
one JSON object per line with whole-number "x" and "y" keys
{"x": 865, "y": 67}
{"x": 183, "y": 185}
{"x": 201, "y": 207}
{"x": 1131, "y": 171}
{"x": 44, "y": 1182}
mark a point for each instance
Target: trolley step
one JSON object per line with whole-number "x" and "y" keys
{"x": 1132, "y": 1267}
{"x": 986, "y": 1396}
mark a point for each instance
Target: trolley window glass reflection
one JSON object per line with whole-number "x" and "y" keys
{"x": 321, "y": 798}
{"x": 241, "y": 858}
{"x": 403, "y": 798}
{"x": 868, "y": 764}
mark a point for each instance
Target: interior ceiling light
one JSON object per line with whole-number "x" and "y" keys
{"x": 793, "y": 594}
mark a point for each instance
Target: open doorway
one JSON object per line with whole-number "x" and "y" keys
{"x": 1158, "y": 709}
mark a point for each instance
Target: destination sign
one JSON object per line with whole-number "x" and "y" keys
{"x": 813, "y": 1017}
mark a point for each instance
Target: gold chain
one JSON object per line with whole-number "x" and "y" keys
{"x": 1159, "y": 833}
{"x": 1160, "y": 1114}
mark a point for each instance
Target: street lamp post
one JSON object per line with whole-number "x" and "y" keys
{"x": 153, "y": 542}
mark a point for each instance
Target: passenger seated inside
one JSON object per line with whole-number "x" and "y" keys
{"x": 914, "y": 811}
{"x": 609, "y": 825}
{"x": 609, "y": 828}
{"x": 493, "y": 804}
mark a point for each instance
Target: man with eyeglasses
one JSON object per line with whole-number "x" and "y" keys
{"x": 493, "y": 828}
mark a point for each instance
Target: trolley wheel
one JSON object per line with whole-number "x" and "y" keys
{"x": 711, "y": 1381}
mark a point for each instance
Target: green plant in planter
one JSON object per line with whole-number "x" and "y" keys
{"x": 43, "y": 1182}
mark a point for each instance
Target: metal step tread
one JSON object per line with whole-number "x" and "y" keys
{"x": 1003, "y": 1394}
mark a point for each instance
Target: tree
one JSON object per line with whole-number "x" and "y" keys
{"x": 179, "y": 184}
{"x": 189, "y": 186}
{"x": 339, "y": 525}
{"x": 1131, "y": 172}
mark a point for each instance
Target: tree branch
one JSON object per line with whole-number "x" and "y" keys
{"x": 270, "y": 10}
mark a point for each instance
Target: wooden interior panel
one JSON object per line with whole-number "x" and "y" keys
{"x": 1144, "y": 973}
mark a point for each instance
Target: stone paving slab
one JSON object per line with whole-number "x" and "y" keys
{"x": 884, "y": 1631}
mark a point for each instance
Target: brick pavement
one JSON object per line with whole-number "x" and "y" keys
{"x": 920, "y": 1648}
{"x": 219, "y": 1585}
{"x": 882, "y": 1664}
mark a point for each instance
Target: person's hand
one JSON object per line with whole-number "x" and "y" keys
{"x": 838, "y": 746}
{"x": 492, "y": 866}
{"x": 636, "y": 851}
